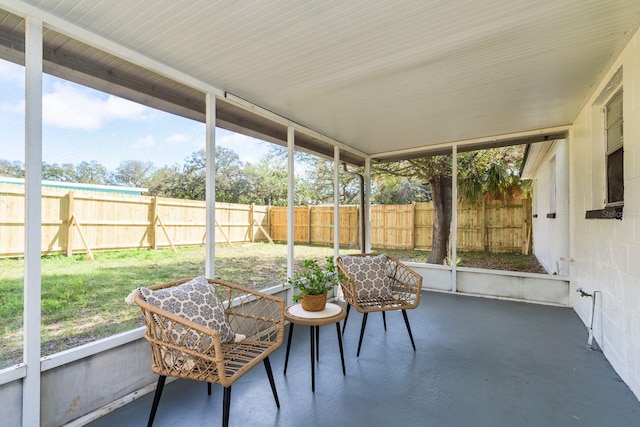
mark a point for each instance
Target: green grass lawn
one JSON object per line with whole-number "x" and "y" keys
{"x": 480, "y": 259}
{"x": 83, "y": 300}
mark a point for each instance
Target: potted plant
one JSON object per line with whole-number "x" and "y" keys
{"x": 313, "y": 282}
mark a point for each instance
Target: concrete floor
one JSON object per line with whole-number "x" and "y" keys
{"x": 479, "y": 362}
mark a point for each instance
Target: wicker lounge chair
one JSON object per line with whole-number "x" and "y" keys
{"x": 373, "y": 282}
{"x": 186, "y": 349}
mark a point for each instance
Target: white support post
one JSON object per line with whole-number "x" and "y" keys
{"x": 291, "y": 137}
{"x": 33, "y": 221}
{"x": 336, "y": 201}
{"x": 367, "y": 205}
{"x": 336, "y": 213}
{"x": 453, "y": 233}
{"x": 210, "y": 187}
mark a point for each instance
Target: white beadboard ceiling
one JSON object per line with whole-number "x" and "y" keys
{"x": 380, "y": 76}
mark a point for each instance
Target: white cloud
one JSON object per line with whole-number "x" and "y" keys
{"x": 178, "y": 138}
{"x": 249, "y": 149}
{"x": 118, "y": 108}
{"x": 8, "y": 107}
{"x": 11, "y": 72}
{"x": 73, "y": 108}
{"x": 145, "y": 142}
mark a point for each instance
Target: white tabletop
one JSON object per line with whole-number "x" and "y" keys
{"x": 330, "y": 310}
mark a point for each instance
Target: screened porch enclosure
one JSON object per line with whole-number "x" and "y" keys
{"x": 358, "y": 83}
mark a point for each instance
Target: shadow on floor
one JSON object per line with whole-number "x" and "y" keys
{"x": 479, "y": 362}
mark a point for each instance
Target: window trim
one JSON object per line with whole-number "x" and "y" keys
{"x": 609, "y": 151}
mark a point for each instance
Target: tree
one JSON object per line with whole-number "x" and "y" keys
{"x": 319, "y": 177}
{"x": 90, "y": 173}
{"x": 492, "y": 172}
{"x": 394, "y": 190}
{"x": 231, "y": 180}
{"x": 314, "y": 185}
{"x": 164, "y": 181}
{"x": 267, "y": 182}
{"x": 189, "y": 182}
{"x": 12, "y": 169}
{"x": 86, "y": 172}
{"x": 133, "y": 173}
{"x": 192, "y": 183}
{"x": 56, "y": 172}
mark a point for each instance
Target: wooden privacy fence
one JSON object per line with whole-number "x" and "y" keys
{"x": 86, "y": 221}
{"x": 314, "y": 225}
{"x": 494, "y": 225}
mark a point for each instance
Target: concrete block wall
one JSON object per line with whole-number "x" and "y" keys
{"x": 606, "y": 252}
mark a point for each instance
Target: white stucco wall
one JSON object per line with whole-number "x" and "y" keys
{"x": 531, "y": 287}
{"x": 606, "y": 252}
{"x": 434, "y": 277}
{"x": 551, "y": 235}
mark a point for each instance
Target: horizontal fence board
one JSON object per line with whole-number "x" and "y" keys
{"x": 108, "y": 221}
{"x": 392, "y": 226}
{"x": 314, "y": 225}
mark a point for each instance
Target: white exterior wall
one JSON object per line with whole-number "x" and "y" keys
{"x": 434, "y": 277}
{"x": 607, "y": 251}
{"x": 531, "y": 287}
{"x": 551, "y": 235}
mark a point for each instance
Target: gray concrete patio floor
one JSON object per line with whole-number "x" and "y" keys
{"x": 479, "y": 362}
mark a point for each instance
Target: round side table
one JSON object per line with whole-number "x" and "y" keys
{"x": 296, "y": 315}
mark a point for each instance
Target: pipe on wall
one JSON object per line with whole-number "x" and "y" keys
{"x": 593, "y": 296}
{"x": 362, "y": 230}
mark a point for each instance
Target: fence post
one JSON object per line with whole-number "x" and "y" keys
{"x": 154, "y": 223}
{"x": 269, "y": 221}
{"x": 251, "y": 221}
{"x": 526, "y": 225}
{"x": 309, "y": 228}
{"x": 358, "y": 228}
{"x": 412, "y": 236}
{"x": 268, "y": 216}
{"x": 69, "y": 222}
{"x": 483, "y": 225}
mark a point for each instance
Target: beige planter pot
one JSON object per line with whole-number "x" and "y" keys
{"x": 314, "y": 302}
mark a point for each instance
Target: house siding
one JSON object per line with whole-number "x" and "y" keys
{"x": 606, "y": 252}
{"x": 551, "y": 235}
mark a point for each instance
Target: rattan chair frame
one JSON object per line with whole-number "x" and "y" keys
{"x": 405, "y": 288}
{"x": 184, "y": 349}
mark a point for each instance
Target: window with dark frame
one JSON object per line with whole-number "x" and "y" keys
{"x": 615, "y": 153}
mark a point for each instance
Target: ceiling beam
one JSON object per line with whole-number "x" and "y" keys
{"x": 526, "y": 137}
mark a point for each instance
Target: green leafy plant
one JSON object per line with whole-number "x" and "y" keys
{"x": 315, "y": 279}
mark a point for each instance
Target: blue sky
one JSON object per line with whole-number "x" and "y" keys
{"x": 81, "y": 124}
